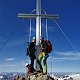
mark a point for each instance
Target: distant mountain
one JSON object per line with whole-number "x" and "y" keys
{"x": 67, "y": 76}
{"x": 9, "y": 75}
{"x": 56, "y": 75}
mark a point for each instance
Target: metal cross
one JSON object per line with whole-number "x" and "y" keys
{"x": 38, "y": 17}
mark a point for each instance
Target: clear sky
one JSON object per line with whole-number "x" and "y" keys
{"x": 15, "y": 32}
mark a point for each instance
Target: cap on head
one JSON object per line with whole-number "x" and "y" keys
{"x": 41, "y": 38}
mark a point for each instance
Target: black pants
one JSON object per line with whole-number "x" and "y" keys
{"x": 32, "y": 65}
{"x": 32, "y": 58}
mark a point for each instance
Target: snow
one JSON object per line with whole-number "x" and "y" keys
{"x": 1, "y": 77}
{"x": 67, "y": 77}
{"x": 60, "y": 79}
{"x": 75, "y": 76}
{"x": 52, "y": 75}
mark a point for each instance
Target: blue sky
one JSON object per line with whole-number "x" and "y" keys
{"x": 64, "y": 58}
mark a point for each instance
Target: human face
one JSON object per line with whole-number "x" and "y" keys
{"x": 33, "y": 40}
{"x": 40, "y": 40}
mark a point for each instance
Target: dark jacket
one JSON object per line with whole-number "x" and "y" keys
{"x": 32, "y": 50}
{"x": 43, "y": 46}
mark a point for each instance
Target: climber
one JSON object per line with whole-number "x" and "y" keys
{"x": 43, "y": 55}
{"x": 31, "y": 52}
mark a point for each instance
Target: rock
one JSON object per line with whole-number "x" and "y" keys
{"x": 38, "y": 76}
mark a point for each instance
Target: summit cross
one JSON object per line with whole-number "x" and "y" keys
{"x": 38, "y": 17}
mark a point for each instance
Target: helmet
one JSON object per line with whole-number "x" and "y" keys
{"x": 33, "y": 38}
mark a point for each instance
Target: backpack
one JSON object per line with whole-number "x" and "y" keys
{"x": 49, "y": 46}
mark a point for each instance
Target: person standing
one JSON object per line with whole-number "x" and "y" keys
{"x": 31, "y": 52}
{"x": 43, "y": 55}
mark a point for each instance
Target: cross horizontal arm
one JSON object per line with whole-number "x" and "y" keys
{"x": 51, "y": 16}
{"x": 27, "y": 15}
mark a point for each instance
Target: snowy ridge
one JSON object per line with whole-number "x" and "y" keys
{"x": 67, "y": 77}
{"x": 56, "y": 76}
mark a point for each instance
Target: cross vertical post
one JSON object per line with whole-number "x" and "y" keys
{"x": 38, "y": 30}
